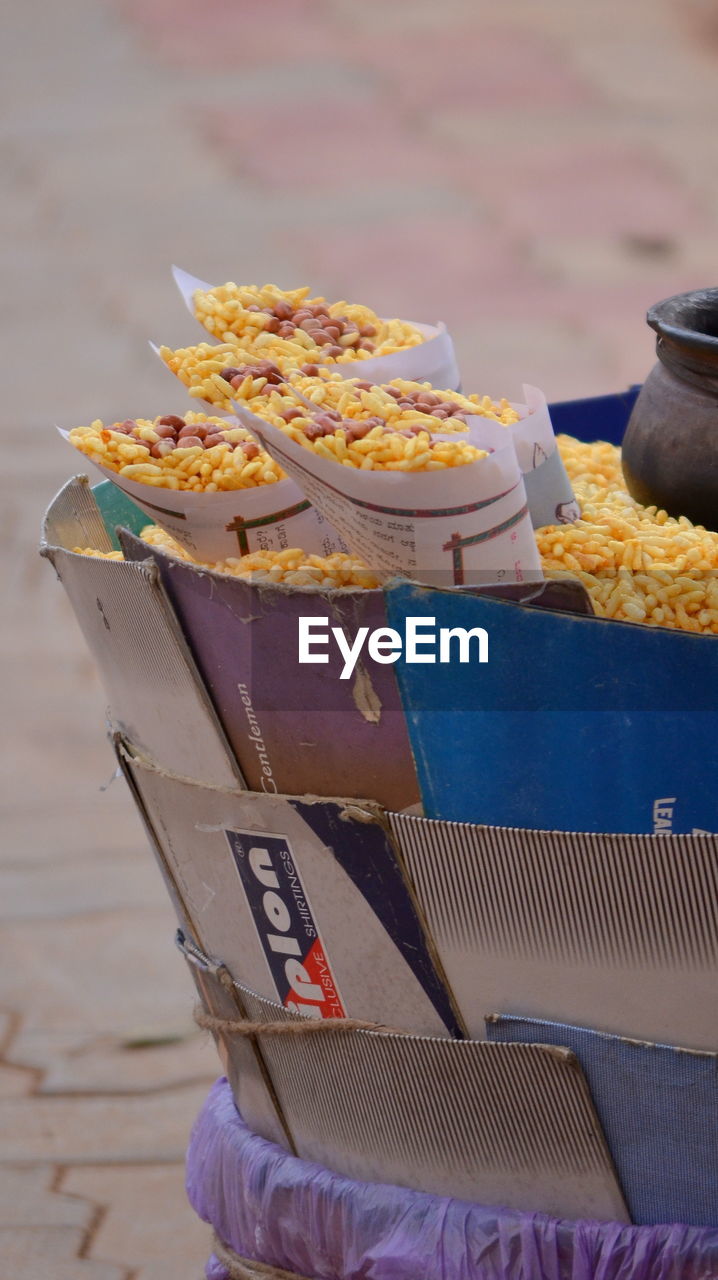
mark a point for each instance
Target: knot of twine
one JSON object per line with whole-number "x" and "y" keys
{"x": 304, "y": 1027}
{"x": 239, "y": 1268}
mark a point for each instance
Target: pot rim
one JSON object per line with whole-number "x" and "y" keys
{"x": 681, "y": 333}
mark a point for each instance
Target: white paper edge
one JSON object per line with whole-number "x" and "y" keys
{"x": 187, "y": 285}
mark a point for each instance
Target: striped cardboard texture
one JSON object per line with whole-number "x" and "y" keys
{"x": 155, "y": 695}
{"x": 616, "y": 931}
{"x": 449, "y": 1117}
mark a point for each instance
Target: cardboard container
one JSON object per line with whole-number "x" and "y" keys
{"x": 422, "y": 925}
{"x": 396, "y": 919}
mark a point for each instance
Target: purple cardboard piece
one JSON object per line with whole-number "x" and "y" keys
{"x": 297, "y": 730}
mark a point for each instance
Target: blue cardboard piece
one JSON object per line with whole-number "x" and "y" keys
{"x": 658, "y": 1106}
{"x": 117, "y": 509}
{"x": 595, "y": 418}
{"x": 574, "y": 724}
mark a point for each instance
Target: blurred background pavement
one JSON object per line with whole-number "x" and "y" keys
{"x": 534, "y": 174}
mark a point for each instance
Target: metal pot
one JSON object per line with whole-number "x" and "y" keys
{"x": 670, "y": 449}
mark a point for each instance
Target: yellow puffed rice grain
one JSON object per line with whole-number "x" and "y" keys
{"x": 292, "y": 566}
{"x": 220, "y": 468}
{"x": 101, "y": 555}
{"x": 390, "y": 451}
{"x": 383, "y": 447}
{"x": 199, "y": 368}
{"x": 158, "y": 537}
{"x": 637, "y": 563}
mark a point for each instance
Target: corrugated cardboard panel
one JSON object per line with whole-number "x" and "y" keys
{"x": 155, "y": 693}
{"x": 445, "y": 1116}
{"x": 304, "y": 901}
{"x": 246, "y": 1071}
{"x": 572, "y": 724}
{"x": 318, "y": 734}
{"x": 74, "y": 519}
{"x": 620, "y": 931}
{"x": 244, "y": 1067}
{"x": 658, "y": 1106}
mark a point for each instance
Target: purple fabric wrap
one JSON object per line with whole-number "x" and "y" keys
{"x": 280, "y": 1210}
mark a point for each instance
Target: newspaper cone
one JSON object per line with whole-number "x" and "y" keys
{"x": 216, "y": 526}
{"x": 433, "y": 360}
{"x": 466, "y": 525}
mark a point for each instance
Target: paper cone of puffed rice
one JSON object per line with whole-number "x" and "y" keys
{"x": 466, "y": 525}
{"x": 548, "y": 489}
{"x": 217, "y": 526}
{"x": 433, "y": 360}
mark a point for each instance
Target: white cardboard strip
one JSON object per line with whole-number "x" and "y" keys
{"x": 468, "y": 524}
{"x": 433, "y": 360}
{"x": 215, "y": 526}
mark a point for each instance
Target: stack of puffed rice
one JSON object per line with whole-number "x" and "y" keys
{"x": 290, "y": 324}
{"x": 195, "y": 453}
{"x": 637, "y": 563}
{"x": 292, "y": 566}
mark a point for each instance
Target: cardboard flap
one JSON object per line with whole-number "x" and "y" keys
{"x": 558, "y": 925}
{"x": 74, "y": 519}
{"x": 244, "y": 1067}
{"x": 449, "y": 1117}
{"x": 570, "y": 723}
{"x": 658, "y": 1107}
{"x": 303, "y": 900}
{"x": 314, "y": 732}
{"x": 155, "y": 693}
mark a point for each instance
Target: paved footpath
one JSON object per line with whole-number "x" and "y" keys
{"x": 534, "y": 174}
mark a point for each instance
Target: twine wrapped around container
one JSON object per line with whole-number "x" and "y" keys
{"x": 226, "y": 1263}
{"x": 245, "y": 1027}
